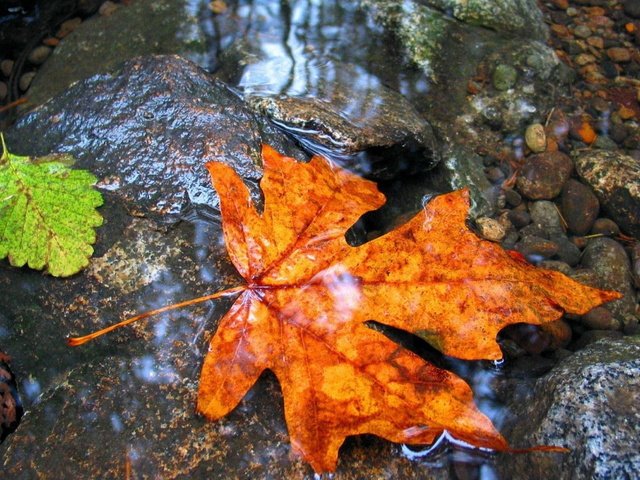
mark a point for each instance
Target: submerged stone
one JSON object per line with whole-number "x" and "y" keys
{"x": 101, "y": 43}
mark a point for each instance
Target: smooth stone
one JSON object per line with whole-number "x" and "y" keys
{"x": 590, "y": 403}
{"x": 610, "y": 262}
{"x": 619, "y": 54}
{"x": 491, "y": 229}
{"x": 582, "y": 31}
{"x": 519, "y": 218}
{"x": 556, "y": 266}
{"x": 512, "y": 197}
{"x": 536, "y": 249}
{"x": 568, "y": 252}
{"x": 580, "y": 207}
{"x": 600, "y": 318}
{"x": 535, "y": 138}
{"x": 544, "y": 175}
{"x": 615, "y": 179}
{"x": 25, "y": 80}
{"x": 39, "y": 54}
{"x": 605, "y": 226}
{"x": 504, "y": 77}
{"x": 117, "y": 38}
{"x": 6, "y": 66}
{"x": 545, "y": 215}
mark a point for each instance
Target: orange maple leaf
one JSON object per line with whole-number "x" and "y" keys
{"x": 308, "y": 294}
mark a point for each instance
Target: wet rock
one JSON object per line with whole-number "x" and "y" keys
{"x": 512, "y": 197}
{"x": 6, "y": 66}
{"x": 609, "y": 260}
{"x": 104, "y": 42}
{"x": 610, "y": 174}
{"x": 545, "y": 215}
{"x": 536, "y": 249}
{"x": 580, "y": 207}
{"x": 535, "y": 138}
{"x": 556, "y": 266}
{"x": 491, "y": 229}
{"x": 590, "y": 403}
{"x": 504, "y": 77}
{"x": 600, "y": 318}
{"x": 140, "y": 411}
{"x": 519, "y": 218}
{"x": 39, "y": 54}
{"x": 341, "y": 119}
{"x": 544, "y": 175}
{"x": 605, "y": 226}
{"x": 147, "y": 132}
{"x": 567, "y": 251}
{"x": 25, "y": 80}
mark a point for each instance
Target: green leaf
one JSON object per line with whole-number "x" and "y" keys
{"x": 47, "y": 213}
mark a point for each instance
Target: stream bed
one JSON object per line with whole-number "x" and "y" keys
{"x": 422, "y": 97}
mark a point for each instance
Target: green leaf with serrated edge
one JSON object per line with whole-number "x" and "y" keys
{"x": 47, "y": 213}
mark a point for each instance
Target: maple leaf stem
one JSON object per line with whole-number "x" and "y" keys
{"x": 75, "y": 341}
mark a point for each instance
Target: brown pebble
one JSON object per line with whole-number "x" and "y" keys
{"x": 543, "y": 175}
{"x": 584, "y": 59}
{"x": 596, "y": 42}
{"x": 561, "y": 4}
{"x": 218, "y": 7}
{"x": 519, "y": 218}
{"x": 68, "y": 26}
{"x": 6, "y": 66}
{"x": 51, "y": 41}
{"x": 600, "y": 318}
{"x": 619, "y": 54}
{"x": 605, "y": 226}
{"x": 39, "y": 54}
{"x": 580, "y": 207}
{"x": 108, "y": 8}
{"x": 490, "y": 229}
{"x": 626, "y": 113}
{"x": 559, "y": 334}
{"x": 25, "y": 80}
{"x": 560, "y": 30}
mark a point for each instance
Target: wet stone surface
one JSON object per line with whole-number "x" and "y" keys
{"x": 589, "y": 404}
{"x": 148, "y": 131}
{"x": 103, "y": 42}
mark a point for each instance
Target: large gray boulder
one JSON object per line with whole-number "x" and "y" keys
{"x": 590, "y": 404}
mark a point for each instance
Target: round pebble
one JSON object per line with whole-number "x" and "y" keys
{"x": 107, "y": 8}
{"x": 536, "y": 249}
{"x": 504, "y": 77}
{"x": 619, "y": 54}
{"x": 544, "y": 175}
{"x": 580, "y": 207}
{"x": 6, "y": 66}
{"x": 605, "y": 226}
{"x": 582, "y": 31}
{"x": 535, "y": 138}
{"x": 512, "y": 197}
{"x": 519, "y": 218}
{"x": 600, "y": 318}
{"x": 39, "y": 54}
{"x": 25, "y": 80}
{"x": 491, "y": 229}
